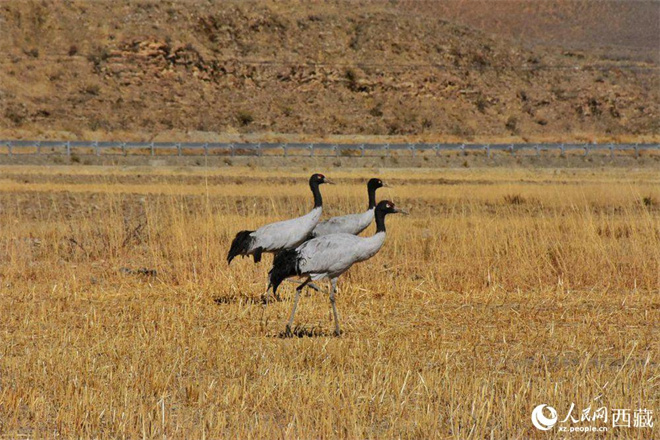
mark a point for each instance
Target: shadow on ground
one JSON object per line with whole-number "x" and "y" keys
{"x": 303, "y": 332}
{"x": 238, "y": 299}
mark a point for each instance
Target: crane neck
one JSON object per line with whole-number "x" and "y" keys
{"x": 380, "y": 221}
{"x": 372, "y": 197}
{"x": 318, "y": 200}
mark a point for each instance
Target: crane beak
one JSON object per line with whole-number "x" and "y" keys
{"x": 326, "y": 180}
{"x": 401, "y": 211}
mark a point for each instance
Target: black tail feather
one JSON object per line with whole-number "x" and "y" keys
{"x": 240, "y": 246}
{"x": 285, "y": 265}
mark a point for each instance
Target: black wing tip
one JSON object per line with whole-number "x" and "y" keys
{"x": 240, "y": 245}
{"x": 285, "y": 265}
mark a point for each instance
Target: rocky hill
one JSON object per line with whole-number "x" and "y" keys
{"x": 203, "y": 71}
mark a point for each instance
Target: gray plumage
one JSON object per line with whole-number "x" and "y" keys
{"x": 285, "y": 234}
{"x": 275, "y": 237}
{"x": 351, "y": 223}
{"x": 329, "y": 256}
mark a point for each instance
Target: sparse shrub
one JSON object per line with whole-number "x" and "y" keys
{"x": 427, "y": 123}
{"x": 649, "y": 201}
{"x": 512, "y": 124}
{"x": 514, "y": 199}
{"x": 376, "y": 111}
{"x": 92, "y": 89}
{"x": 352, "y": 79}
{"x": 244, "y": 118}
{"x": 227, "y": 161}
{"x": 73, "y": 50}
{"x": 75, "y": 158}
{"x": 16, "y": 113}
{"x": 97, "y": 56}
{"x": 481, "y": 103}
{"x": 34, "y": 52}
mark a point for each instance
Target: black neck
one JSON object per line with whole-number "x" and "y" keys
{"x": 380, "y": 221}
{"x": 372, "y": 197}
{"x": 318, "y": 200}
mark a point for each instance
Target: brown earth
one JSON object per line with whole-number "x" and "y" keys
{"x": 343, "y": 70}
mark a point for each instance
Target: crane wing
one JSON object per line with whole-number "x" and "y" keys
{"x": 330, "y": 254}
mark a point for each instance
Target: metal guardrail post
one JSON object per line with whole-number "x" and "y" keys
{"x": 387, "y": 148}
{"x": 512, "y": 150}
{"x": 286, "y": 153}
{"x": 586, "y": 150}
{"x": 123, "y": 149}
{"x": 9, "y": 148}
{"x": 538, "y": 150}
{"x": 232, "y": 150}
{"x": 413, "y": 150}
{"x": 311, "y": 150}
{"x": 563, "y": 151}
{"x": 463, "y": 149}
{"x": 487, "y": 147}
{"x": 206, "y": 149}
{"x": 636, "y": 151}
{"x": 361, "y": 150}
{"x": 38, "y": 148}
{"x": 259, "y": 149}
{"x": 151, "y": 148}
{"x": 68, "y": 148}
{"x": 335, "y": 148}
{"x": 178, "y": 149}
{"x": 436, "y": 148}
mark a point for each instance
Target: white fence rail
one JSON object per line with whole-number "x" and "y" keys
{"x": 93, "y": 148}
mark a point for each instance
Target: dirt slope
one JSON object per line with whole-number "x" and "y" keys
{"x": 191, "y": 70}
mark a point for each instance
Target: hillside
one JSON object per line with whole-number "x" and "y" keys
{"x": 200, "y": 71}
{"x": 611, "y": 29}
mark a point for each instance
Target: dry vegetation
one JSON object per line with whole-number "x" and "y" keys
{"x": 503, "y": 290}
{"x": 194, "y": 70}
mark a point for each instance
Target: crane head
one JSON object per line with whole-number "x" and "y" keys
{"x": 387, "y": 207}
{"x": 376, "y": 183}
{"x": 319, "y": 179}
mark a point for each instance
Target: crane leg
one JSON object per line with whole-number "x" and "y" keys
{"x": 310, "y": 285}
{"x": 295, "y": 304}
{"x": 265, "y": 296}
{"x": 334, "y": 306}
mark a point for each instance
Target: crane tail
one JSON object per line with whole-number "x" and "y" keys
{"x": 285, "y": 265}
{"x": 241, "y": 245}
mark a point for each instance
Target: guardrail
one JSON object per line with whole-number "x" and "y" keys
{"x": 210, "y": 149}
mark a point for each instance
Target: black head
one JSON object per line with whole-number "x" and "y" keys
{"x": 375, "y": 183}
{"x": 386, "y": 207}
{"x": 318, "y": 179}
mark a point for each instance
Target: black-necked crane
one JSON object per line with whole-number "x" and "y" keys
{"x": 287, "y": 234}
{"x": 352, "y": 223}
{"x": 329, "y": 256}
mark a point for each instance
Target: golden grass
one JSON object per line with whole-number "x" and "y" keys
{"x": 503, "y": 290}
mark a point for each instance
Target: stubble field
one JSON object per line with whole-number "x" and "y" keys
{"x": 504, "y": 289}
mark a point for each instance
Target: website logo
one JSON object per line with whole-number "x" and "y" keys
{"x": 540, "y": 421}
{"x": 544, "y": 418}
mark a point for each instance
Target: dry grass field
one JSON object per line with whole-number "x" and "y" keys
{"x": 503, "y": 289}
